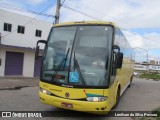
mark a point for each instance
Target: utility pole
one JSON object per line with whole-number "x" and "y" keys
{"x": 57, "y": 11}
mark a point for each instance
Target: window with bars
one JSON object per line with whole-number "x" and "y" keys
{"x": 38, "y": 33}
{"x": 7, "y": 27}
{"x": 21, "y": 29}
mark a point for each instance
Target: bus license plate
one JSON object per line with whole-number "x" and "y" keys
{"x": 67, "y": 105}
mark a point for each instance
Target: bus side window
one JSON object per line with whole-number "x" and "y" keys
{"x": 114, "y": 63}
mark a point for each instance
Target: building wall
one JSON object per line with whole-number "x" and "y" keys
{"x": 154, "y": 67}
{"x": 2, "y": 57}
{"x": 28, "y": 39}
{"x": 158, "y": 62}
{"x": 155, "y": 61}
{"x": 141, "y": 67}
{"x": 147, "y": 67}
{"x": 28, "y": 65}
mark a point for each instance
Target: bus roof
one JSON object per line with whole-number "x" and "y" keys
{"x": 85, "y": 23}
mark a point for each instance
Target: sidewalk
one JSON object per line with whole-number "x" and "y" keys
{"x": 12, "y": 83}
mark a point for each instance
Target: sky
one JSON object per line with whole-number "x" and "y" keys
{"x": 138, "y": 19}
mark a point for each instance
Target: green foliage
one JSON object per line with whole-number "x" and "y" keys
{"x": 157, "y": 112}
{"x": 154, "y": 76}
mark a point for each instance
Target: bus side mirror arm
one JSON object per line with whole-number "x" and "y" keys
{"x": 37, "y": 47}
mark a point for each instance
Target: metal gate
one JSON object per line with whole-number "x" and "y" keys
{"x": 14, "y": 63}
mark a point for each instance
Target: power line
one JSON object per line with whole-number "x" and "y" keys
{"x": 62, "y": 3}
{"x": 30, "y": 19}
{"x": 140, "y": 36}
{"x": 80, "y": 12}
{"x": 102, "y": 13}
{"x": 7, "y": 6}
{"x": 121, "y": 21}
{"x": 72, "y": 9}
{"x": 100, "y": 19}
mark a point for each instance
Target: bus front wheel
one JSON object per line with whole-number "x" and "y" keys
{"x": 117, "y": 97}
{"x": 130, "y": 81}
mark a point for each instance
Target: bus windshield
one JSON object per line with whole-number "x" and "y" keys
{"x": 78, "y": 55}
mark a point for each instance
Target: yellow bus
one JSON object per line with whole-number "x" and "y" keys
{"x": 86, "y": 66}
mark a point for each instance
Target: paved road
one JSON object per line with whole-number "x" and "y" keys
{"x": 143, "y": 95}
{"x": 16, "y": 82}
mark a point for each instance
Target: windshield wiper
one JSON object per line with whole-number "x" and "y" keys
{"x": 76, "y": 64}
{"x": 63, "y": 61}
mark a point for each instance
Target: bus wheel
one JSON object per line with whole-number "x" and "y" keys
{"x": 117, "y": 98}
{"x": 130, "y": 81}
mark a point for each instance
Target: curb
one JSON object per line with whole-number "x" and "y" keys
{"x": 19, "y": 77}
{"x": 14, "y": 87}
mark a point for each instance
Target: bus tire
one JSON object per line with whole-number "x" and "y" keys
{"x": 117, "y": 97}
{"x": 130, "y": 81}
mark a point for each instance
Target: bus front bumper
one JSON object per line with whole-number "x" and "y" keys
{"x": 77, "y": 105}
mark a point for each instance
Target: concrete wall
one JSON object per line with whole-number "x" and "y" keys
{"x": 28, "y": 63}
{"x": 147, "y": 67}
{"x": 28, "y": 39}
{"x": 141, "y": 67}
{"x": 2, "y": 57}
{"x": 154, "y": 67}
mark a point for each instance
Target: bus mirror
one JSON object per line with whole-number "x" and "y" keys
{"x": 119, "y": 60}
{"x": 37, "y": 47}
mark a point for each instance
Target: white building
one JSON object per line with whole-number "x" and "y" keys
{"x": 141, "y": 67}
{"x": 154, "y": 67}
{"x": 147, "y": 67}
{"x": 19, "y": 35}
{"x": 154, "y": 61}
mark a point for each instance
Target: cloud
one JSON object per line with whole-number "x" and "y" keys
{"x": 126, "y": 13}
{"x": 146, "y": 41}
{"x": 144, "y": 45}
{"x": 35, "y": 2}
{"x": 16, "y": 7}
{"x": 25, "y": 9}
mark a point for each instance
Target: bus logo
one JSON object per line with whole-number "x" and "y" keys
{"x": 67, "y": 94}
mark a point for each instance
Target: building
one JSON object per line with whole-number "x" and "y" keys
{"x": 141, "y": 67}
{"x": 153, "y": 61}
{"x": 155, "y": 67}
{"x": 19, "y": 35}
{"x": 147, "y": 67}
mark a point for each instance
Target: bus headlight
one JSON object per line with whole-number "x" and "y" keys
{"x": 96, "y": 99}
{"x": 45, "y": 91}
